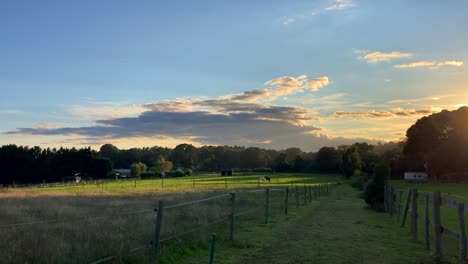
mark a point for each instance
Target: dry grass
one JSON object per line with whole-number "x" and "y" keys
{"x": 84, "y": 228}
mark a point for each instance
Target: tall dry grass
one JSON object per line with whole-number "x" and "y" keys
{"x": 84, "y": 228}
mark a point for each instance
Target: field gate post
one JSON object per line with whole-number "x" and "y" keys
{"x": 437, "y": 225}
{"x": 267, "y": 202}
{"x": 297, "y": 196}
{"x": 426, "y": 223}
{"x": 212, "y": 248}
{"x": 310, "y": 194}
{"x": 461, "y": 226}
{"x": 232, "y": 215}
{"x": 414, "y": 214}
{"x": 157, "y": 232}
{"x": 286, "y": 200}
{"x": 405, "y": 210}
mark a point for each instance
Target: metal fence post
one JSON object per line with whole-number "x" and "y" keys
{"x": 405, "y": 210}
{"x": 157, "y": 232}
{"x": 286, "y": 200}
{"x": 232, "y": 215}
{"x": 267, "y": 201}
{"x": 212, "y": 249}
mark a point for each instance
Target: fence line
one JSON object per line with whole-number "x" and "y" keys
{"x": 197, "y": 201}
{"x": 438, "y": 228}
{"x": 317, "y": 190}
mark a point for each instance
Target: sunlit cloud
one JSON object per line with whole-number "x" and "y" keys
{"x": 377, "y": 56}
{"x": 429, "y": 64}
{"x": 381, "y": 114}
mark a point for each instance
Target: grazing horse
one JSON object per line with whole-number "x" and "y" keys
{"x": 264, "y": 178}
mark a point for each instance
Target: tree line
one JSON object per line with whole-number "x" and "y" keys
{"x": 437, "y": 143}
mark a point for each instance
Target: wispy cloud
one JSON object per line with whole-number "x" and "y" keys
{"x": 340, "y": 5}
{"x": 381, "y": 114}
{"x": 377, "y": 56}
{"x": 287, "y": 20}
{"x": 430, "y": 64}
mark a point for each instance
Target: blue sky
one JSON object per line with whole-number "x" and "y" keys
{"x": 166, "y": 72}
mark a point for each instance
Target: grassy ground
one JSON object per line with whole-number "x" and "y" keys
{"x": 449, "y": 219}
{"x": 80, "y": 226}
{"x": 335, "y": 229}
{"x": 201, "y": 182}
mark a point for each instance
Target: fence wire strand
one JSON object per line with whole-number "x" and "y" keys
{"x": 197, "y": 201}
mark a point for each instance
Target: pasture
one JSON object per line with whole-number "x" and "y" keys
{"x": 449, "y": 218}
{"x": 87, "y": 222}
{"x": 200, "y": 182}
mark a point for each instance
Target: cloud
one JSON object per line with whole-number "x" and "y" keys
{"x": 9, "y": 111}
{"x": 281, "y": 87}
{"x": 377, "y": 56}
{"x": 287, "y": 20}
{"x": 375, "y": 114}
{"x": 429, "y": 64}
{"x": 340, "y": 5}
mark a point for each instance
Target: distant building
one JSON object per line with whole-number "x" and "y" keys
{"x": 226, "y": 172}
{"x": 415, "y": 176}
{"x": 75, "y": 178}
{"x": 122, "y": 173}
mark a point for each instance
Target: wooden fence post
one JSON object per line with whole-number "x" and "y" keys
{"x": 232, "y": 215}
{"x": 225, "y": 183}
{"x": 461, "y": 226}
{"x": 157, "y": 232}
{"x": 392, "y": 201}
{"x": 316, "y": 192}
{"x": 437, "y": 225}
{"x": 267, "y": 201}
{"x": 405, "y": 210}
{"x": 286, "y": 200}
{"x": 305, "y": 194}
{"x": 310, "y": 194}
{"x": 414, "y": 214}
{"x": 385, "y": 199}
{"x": 426, "y": 223}
{"x": 400, "y": 196}
{"x": 297, "y": 196}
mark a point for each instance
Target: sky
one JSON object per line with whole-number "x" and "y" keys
{"x": 271, "y": 74}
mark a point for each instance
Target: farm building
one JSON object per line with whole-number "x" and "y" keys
{"x": 415, "y": 176}
{"x": 123, "y": 173}
{"x": 226, "y": 172}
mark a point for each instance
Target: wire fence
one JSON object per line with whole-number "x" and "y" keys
{"x": 148, "y": 234}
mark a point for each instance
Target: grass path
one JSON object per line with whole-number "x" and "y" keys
{"x": 338, "y": 230}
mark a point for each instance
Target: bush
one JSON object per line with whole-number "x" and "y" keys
{"x": 263, "y": 170}
{"x": 359, "y": 181}
{"x": 177, "y": 173}
{"x": 374, "y": 191}
{"x": 188, "y": 172}
{"x": 148, "y": 175}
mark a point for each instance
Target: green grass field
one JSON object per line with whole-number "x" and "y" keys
{"x": 449, "y": 219}
{"x": 80, "y": 224}
{"x": 200, "y": 182}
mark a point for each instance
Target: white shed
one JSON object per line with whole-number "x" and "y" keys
{"x": 415, "y": 176}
